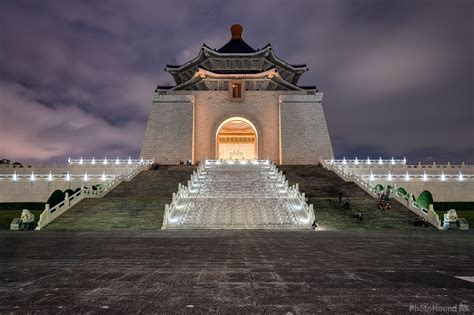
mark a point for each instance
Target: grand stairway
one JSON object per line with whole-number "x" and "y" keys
{"x": 137, "y": 204}
{"x": 238, "y": 195}
{"x": 322, "y": 188}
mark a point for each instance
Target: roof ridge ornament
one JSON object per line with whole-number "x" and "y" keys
{"x": 236, "y": 31}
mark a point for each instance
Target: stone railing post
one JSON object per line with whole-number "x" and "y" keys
{"x": 66, "y": 200}
{"x": 165, "y": 216}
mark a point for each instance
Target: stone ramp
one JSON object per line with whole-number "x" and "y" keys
{"x": 322, "y": 187}
{"x": 135, "y": 205}
{"x": 238, "y": 195}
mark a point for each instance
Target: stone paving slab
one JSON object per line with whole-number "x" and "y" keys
{"x": 233, "y": 271}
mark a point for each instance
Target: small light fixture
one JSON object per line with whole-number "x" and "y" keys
{"x": 50, "y": 176}
{"x": 32, "y": 177}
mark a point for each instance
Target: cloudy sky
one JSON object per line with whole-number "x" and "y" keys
{"x": 76, "y": 77}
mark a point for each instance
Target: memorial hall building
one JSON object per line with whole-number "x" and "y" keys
{"x": 237, "y": 102}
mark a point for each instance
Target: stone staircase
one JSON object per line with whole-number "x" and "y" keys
{"x": 322, "y": 187}
{"x": 137, "y": 204}
{"x": 238, "y": 195}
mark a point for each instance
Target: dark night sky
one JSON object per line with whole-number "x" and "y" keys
{"x": 77, "y": 77}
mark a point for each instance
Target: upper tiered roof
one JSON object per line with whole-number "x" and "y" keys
{"x": 236, "y": 59}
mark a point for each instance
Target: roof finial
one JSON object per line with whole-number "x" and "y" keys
{"x": 236, "y": 31}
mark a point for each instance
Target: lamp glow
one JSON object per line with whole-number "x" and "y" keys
{"x": 393, "y": 161}
{"x": 344, "y": 160}
{"x": 117, "y": 161}
{"x": 81, "y": 161}
{"x": 389, "y": 176}
{"x": 103, "y": 177}
{"x": 371, "y": 176}
{"x": 356, "y": 161}
{"x": 460, "y": 176}
{"x": 129, "y": 160}
{"x": 443, "y": 177}
{"x": 404, "y": 160}
{"x": 68, "y": 177}
{"x": 50, "y": 176}
{"x": 93, "y": 160}
{"x": 368, "y": 160}
{"x": 69, "y": 159}
{"x": 105, "y": 161}
{"x": 425, "y": 177}
{"x": 15, "y": 176}
{"x": 380, "y": 160}
{"x": 407, "y": 177}
{"x": 32, "y": 177}
{"x": 86, "y": 177}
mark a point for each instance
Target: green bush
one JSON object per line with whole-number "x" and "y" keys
{"x": 402, "y": 192}
{"x": 100, "y": 187}
{"x": 379, "y": 187}
{"x": 425, "y": 199}
{"x": 56, "y": 197}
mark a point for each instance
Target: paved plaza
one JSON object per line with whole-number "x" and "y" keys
{"x": 234, "y": 271}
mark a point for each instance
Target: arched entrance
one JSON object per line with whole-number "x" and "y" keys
{"x": 236, "y": 139}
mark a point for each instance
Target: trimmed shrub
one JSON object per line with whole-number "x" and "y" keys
{"x": 69, "y": 191}
{"x": 56, "y": 197}
{"x": 100, "y": 187}
{"x": 379, "y": 187}
{"x": 425, "y": 199}
{"x": 402, "y": 192}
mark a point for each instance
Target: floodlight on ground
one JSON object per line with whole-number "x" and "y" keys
{"x": 389, "y": 176}
{"x": 380, "y": 161}
{"x": 117, "y": 161}
{"x": 407, "y": 177}
{"x": 105, "y": 161}
{"x": 81, "y": 161}
{"x": 425, "y": 177}
{"x": 15, "y": 176}
{"x": 50, "y": 176}
{"x": 68, "y": 177}
{"x": 129, "y": 160}
{"x": 368, "y": 160}
{"x": 404, "y": 160}
{"x": 460, "y": 177}
{"x": 69, "y": 159}
{"x": 356, "y": 161}
{"x": 393, "y": 160}
{"x": 86, "y": 177}
{"x": 344, "y": 160}
{"x": 103, "y": 177}
{"x": 93, "y": 160}
{"x": 443, "y": 177}
{"x": 371, "y": 176}
{"x": 32, "y": 177}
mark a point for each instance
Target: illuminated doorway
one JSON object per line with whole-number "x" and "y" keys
{"x": 236, "y": 139}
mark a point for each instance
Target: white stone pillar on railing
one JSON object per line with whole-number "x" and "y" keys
{"x": 297, "y": 187}
{"x": 165, "y": 216}
{"x": 66, "y": 200}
